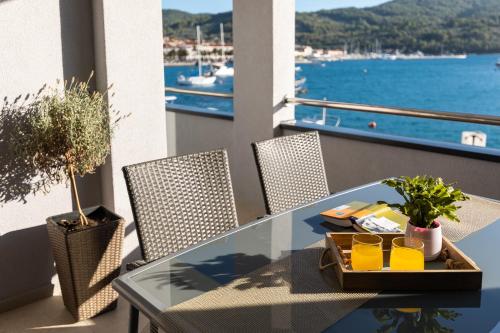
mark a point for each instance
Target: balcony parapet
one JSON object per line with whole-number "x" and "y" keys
{"x": 479, "y": 153}
{"x": 202, "y": 112}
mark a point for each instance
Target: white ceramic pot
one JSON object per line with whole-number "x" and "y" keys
{"x": 432, "y": 238}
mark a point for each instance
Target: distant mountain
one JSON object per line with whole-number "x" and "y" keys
{"x": 431, "y": 26}
{"x": 180, "y": 24}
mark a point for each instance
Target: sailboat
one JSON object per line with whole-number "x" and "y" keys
{"x": 221, "y": 70}
{"x": 199, "y": 80}
{"x": 299, "y": 86}
{"x": 322, "y": 121}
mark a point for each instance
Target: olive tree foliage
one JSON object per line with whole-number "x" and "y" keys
{"x": 54, "y": 135}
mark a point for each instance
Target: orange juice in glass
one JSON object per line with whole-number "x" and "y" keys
{"x": 407, "y": 254}
{"x": 366, "y": 252}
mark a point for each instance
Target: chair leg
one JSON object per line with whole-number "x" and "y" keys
{"x": 153, "y": 328}
{"x": 133, "y": 323}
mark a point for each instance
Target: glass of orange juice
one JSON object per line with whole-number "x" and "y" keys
{"x": 407, "y": 254}
{"x": 366, "y": 253}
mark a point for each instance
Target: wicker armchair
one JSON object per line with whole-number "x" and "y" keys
{"x": 291, "y": 171}
{"x": 178, "y": 202}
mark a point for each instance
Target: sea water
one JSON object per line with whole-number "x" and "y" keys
{"x": 469, "y": 85}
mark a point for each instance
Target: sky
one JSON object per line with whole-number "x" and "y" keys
{"x": 217, "y": 6}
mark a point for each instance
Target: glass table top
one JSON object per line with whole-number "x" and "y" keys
{"x": 209, "y": 265}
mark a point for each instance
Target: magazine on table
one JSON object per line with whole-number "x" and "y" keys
{"x": 366, "y": 217}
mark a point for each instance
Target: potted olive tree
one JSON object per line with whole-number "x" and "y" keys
{"x": 62, "y": 135}
{"x": 426, "y": 199}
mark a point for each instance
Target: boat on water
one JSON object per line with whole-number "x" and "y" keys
{"x": 200, "y": 80}
{"x": 300, "y": 82}
{"x": 498, "y": 63}
{"x": 170, "y": 99}
{"x": 322, "y": 121}
{"x": 196, "y": 80}
{"x": 221, "y": 69}
{"x": 299, "y": 86}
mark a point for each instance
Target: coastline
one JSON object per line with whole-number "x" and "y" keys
{"x": 178, "y": 64}
{"x": 353, "y": 57}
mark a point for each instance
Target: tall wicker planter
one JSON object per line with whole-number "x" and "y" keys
{"x": 87, "y": 261}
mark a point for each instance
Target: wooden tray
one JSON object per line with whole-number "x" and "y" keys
{"x": 464, "y": 274}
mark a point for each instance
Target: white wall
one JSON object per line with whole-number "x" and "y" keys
{"x": 129, "y": 55}
{"x": 45, "y": 40}
{"x": 264, "y": 46}
{"x": 30, "y": 56}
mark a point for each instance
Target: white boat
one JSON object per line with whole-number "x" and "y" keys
{"x": 498, "y": 63}
{"x": 300, "y": 82}
{"x": 299, "y": 86}
{"x": 322, "y": 121}
{"x": 199, "y": 80}
{"x": 298, "y": 69}
{"x": 222, "y": 70}
{"x": 170, "y": 99}
{"x": 196, "y": 80}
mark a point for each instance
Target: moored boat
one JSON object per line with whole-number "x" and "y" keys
{"x": 196, "y": 80}
{"x": 200, "y": 80}
{"x": 222, "y": 71}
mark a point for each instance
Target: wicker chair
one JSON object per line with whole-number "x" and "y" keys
{"x": 291, "y": 171}
{"x": 178, "y": 202}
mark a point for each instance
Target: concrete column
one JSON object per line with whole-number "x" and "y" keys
{"x": 128, "y": 54}
{"x": 264, "y": 44}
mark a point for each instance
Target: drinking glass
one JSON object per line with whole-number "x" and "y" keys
{"x": 366, "y": 254}
{"x": 407, "y": 254}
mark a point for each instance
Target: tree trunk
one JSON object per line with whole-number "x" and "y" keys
{"x": 83, "y": 218}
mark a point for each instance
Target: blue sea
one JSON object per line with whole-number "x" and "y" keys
{"x": 469, "y": 85}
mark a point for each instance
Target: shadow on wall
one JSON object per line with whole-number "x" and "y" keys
{"x": 25, "y": 255}
{"x": 25, "y": 267}
{"x": 16, "y": 176}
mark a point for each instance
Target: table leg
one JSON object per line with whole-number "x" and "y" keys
{"x": 153, "y": 328}
{"x": 133, "y": 323}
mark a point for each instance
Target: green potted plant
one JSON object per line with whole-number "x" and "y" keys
{"x": 425, "y": 199}
{"x": 59, "y": 135}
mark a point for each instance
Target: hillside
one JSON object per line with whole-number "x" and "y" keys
{"x": 471, "y": 26}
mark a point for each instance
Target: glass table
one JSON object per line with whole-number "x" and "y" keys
{"x": 180, "y": 277}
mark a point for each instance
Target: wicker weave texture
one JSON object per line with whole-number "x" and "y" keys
{"x": 288, "y": 295}
{"x": 180, "y": 201}
{"x": 87, "y": 261}
{"x": 291, "y": 171}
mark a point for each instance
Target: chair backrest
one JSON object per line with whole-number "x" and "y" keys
{"x": 180, "y": 201}
{"x": 291, "y": 170}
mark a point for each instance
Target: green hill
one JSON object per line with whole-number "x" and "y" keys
{"x": 471, "y": 26}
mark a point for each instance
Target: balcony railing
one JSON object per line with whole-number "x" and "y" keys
{"x": 406, "y": 112}
{"x": 198, "y": 92}
{"x": 451, "y": 116}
